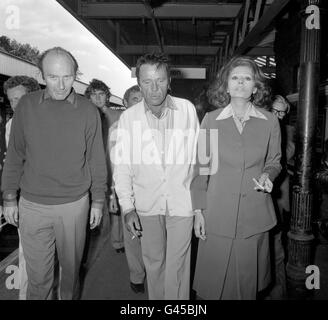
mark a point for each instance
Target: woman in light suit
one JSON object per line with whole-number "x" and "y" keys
{"x": 238, "y": 160}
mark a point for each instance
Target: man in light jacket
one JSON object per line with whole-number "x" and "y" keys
{"x": 153, "y": 158}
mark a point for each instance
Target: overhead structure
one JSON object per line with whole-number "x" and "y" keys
{"x": 194, "y": 33}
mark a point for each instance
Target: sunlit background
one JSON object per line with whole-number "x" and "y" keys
{"x": 44, "y": 24}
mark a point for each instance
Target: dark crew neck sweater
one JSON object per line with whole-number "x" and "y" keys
{"x": 55, "y": 153}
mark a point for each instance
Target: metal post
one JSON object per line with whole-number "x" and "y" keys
{"x": 300, "y": 236}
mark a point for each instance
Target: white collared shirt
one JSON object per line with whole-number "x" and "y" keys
{"x": 8, "y": 128}
{"x": 251, "y": 111}
{"x": 160, "y": 124}
{"x": 143, "y": 180}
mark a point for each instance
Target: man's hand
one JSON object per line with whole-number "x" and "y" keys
{"x": 112, "y": 206}
{"x": 11, "y": 215}
{"x": 199, "y": 226}
{"x": 95, "y": 217}
{"x": 132, "y": 223}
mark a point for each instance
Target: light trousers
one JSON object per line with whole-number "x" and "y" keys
{"x": 166, "y": 244}
{"x": 22, "y": 271}
{"x": 134, "y": 256}
{"x": 116, "y": 230}
{"x": 45, "y": 229}
{"x": 23, "y": 275}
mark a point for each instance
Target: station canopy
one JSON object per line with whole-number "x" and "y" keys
{"x": 194, "y": 33}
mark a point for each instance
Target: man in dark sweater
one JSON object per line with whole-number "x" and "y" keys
{"x": 55, "y": 159}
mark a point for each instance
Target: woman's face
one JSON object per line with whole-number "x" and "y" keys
{"x": 241, "y": 83}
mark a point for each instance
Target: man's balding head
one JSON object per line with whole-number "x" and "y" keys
{"x": 58, "y": 51}
{"x": 59, "y": 69}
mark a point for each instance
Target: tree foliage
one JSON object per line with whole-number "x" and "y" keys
{"x": 24, "y": 51}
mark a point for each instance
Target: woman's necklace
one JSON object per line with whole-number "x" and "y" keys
{"x": 241, "y": 118}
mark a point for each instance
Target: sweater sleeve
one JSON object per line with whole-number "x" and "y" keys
{"x": 96, "y": 158}
{"x": 272, "y": 164}
{"x": 120, "y": 155}
{"x": 202, "y": 168}
{"x": 15, "y": 157}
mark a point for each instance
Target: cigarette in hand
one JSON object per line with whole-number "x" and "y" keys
{"x": 257, "y": 185}
{"x": 133, "y": 237}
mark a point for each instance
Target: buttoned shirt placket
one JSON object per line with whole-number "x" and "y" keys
{"x": 161, "y": 127}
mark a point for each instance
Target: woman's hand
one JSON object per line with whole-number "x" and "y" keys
{"x": 199, "y": 225}
{"x": 263, "y": 184}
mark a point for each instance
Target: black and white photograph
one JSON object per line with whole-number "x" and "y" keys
{"x": 164, "y": 154}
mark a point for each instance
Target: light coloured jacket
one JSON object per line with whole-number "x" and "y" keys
{"x": 141, "y": 180}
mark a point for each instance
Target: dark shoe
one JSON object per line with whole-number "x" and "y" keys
{"x": 120, "y": 250}
{"x": 137, "y": 287}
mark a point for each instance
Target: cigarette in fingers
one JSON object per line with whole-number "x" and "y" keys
{"x": 133, "y": 237}
{"x": 257, "y": 185}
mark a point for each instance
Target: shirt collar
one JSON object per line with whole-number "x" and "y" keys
{"x": 168, "y": 104}
{"x": 228, "y": 112}
{"x": 71, "y": 98}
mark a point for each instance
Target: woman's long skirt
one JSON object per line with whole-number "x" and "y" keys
{"x": 232, "y": 269}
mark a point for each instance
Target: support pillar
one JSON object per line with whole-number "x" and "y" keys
{"x": 300, "y": 236}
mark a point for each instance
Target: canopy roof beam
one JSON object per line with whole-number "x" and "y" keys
{"x": 128, "y": 10}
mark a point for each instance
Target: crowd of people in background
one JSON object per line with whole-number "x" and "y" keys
{"x": 74, "y": 161}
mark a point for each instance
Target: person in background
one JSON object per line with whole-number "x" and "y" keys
{"x": 281, "y": 108}
{"x": 238, "y": 160}
{"x": 321, "y": 178}
{"x": 202, "y": 104}
{"x": 154, "y": 190}
{"x": 99, "y": 93}
{"x": 132, "y": 96}
{"x": 55, "y": 158}
{"x": 133, "y": 252}
{"x": 16, "y": 87}
{"x": 281, "y": 197}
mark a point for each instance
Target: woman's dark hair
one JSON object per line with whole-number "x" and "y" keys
{"x": 217, "y": 92}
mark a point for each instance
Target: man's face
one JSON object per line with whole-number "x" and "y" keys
{"x": 98, "y": 97}
{"x": 279, "y": 109}
{"x": 59, "y": 75}
{"x": 134, "y": 98}
{"x": 154, "y": 83}
{"x": 14, "y": 95}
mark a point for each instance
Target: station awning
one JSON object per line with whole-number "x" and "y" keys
{"x": 194, "y": 33}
